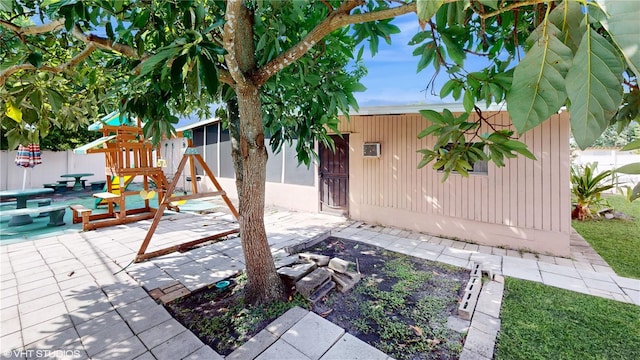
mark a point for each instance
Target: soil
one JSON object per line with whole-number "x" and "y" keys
{"x": 400, "y": 306}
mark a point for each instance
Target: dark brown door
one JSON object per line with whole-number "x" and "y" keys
{"x": 334, "y": 177}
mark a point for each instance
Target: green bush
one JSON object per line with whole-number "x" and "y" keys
{"x": 587, "y": 187}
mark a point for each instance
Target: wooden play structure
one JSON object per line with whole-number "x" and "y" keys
{"x": 128, "y": 156}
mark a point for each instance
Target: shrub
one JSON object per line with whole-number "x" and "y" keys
{"x": 587, "y": 187}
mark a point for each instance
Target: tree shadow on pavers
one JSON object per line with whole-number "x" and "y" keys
{"x": 98, "y": 321}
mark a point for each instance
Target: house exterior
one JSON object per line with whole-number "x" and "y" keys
{"x": 524, "y": 205}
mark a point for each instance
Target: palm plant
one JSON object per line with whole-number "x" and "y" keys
{"x": 587, "y": 187}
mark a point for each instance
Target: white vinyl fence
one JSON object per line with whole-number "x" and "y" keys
{"x": 54, "y": 164}
{"x": 609, "y": 159}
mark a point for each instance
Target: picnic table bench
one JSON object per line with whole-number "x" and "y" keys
{"x": 55, "y": 212}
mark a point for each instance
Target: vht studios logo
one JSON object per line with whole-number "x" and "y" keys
{"x": 46, "y": 354}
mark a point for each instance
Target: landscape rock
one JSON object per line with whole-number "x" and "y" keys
{"x": 320, "y": 260}
{"x": 346, "y": 281}
{"x": 307, "y": 285}
{"x": 339, "y": 265}
{"x": 322, "y": 291}
{"x": 287, "y": 261}
{"x": 296, "y": 272}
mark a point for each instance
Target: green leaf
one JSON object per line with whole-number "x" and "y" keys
{"x": 594, "y": 87}
{"x": 455, "y": 51}
{"x": 622, "y": 24}
{"x": 468, "y": 101}
{"x": 427, "y": 55}
{"x": 35, "y": 59}
{"x": 538, "y": 88}
{"x": 427, "y": 8}
{"x": 632, "y": 145}
{"x": 635, "y": 193}
{"x": 109, "y": 30}
{"x": 55, "y": 99}
{"x": 632, "y": 169}
{"x": 433, "y": 116}
{"x": 568, "y": 18}
{"x": 162, "y": 56}
{"x": 490, "y": 3}
{"x": 420, "y": 37}
{"x": 6, "y": 5}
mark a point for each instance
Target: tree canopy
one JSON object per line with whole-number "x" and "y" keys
{"x": 283, "y": 64}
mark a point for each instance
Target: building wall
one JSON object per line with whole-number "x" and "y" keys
{"x": 524, "y": 205}
{"x": 289, "y": 185}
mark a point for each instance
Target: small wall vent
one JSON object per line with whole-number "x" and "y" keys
{"x": 371, "y": 149}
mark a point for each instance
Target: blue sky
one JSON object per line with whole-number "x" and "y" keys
{"x": 392, "y": 77}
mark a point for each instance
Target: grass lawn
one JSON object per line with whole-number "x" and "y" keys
{"x": 617, "y": 241}
{"x": 543, "y": 322}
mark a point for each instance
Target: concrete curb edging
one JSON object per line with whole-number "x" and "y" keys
{"x": 485, "y": 323}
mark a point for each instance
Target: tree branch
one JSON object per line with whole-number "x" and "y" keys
{"x": 228, "y": 35}
{"x": 58, "y": 69}
{"x": 105, "y": 44}
{"x": 335, "y": 20}
{"x": 512, "y": 6}
{"x": 34, "y": 29}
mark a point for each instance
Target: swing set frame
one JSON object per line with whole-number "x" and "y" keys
{"x": 128, "y": 154}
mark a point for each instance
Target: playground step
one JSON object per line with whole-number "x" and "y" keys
{"x": 106, "y": 195}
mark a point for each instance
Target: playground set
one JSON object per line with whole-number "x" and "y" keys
{"x": 129, "y": 155}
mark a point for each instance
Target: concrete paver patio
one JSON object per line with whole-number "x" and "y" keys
{"x": 78, "y": 296}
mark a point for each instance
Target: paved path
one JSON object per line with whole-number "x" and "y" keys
{"x": 69, "y": 294}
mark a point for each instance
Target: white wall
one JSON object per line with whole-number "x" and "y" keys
{"x": 54, "y": 164}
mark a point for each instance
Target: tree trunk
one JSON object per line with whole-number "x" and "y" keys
{"x": 250, "y": 157}
{"x": 264, "y": 284}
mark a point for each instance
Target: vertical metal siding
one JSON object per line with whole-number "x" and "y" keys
{"x": 525, "y": 193}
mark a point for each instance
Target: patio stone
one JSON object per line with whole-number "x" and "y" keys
{"x": 98, "y": 323}
{"x": 45, "y": 329}
{"x": 480, "y": 343}
{"x": 559, "y": 270}
{"x": 254, "y": 347}
{"x": 143, "y": 314}
{"x": 56, "y": 341}
{"x": 42, "y": 315}
{"x": 471, "y": 355}
{"x": 455, "y": 261}
{"x": 37, "y": 304}
{"x": 563, "y": 282}
{"x": 127, "y": 349}
{"x": 281, "y": 350}
{"x": 280, "y": 325}
{"x": 161, "y": 333}
{"x": 352, "y": 348}
{"x": 97, "y": 342}
{"x": 608, "y": 286}
{"x": 177, "y": 347}
{"x": 323, "y": 334}
{"x": 204, "y": 353}
{"x": 11, "y": 341}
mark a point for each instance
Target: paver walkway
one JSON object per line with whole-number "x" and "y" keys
{"x": 77, "y": 296}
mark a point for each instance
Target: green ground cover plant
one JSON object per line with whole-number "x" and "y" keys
{"x": 616, "y": 240}
{"x": 543, "y": 322}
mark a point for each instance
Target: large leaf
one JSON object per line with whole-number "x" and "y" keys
{"x": 594, "y": 87}
{"x": 427, "y": 8}
{"x": 13, "y": 112}
{"x": 538, "y": 88}
{"x": 567, "y": 17}
{"x": 633, "y": 169}
{"x": 623, "y": 26}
